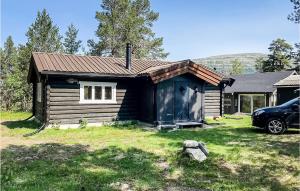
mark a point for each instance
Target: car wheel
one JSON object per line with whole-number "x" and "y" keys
{"x": 275, "y": 126}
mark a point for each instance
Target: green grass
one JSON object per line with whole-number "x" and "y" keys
{"x": 11, "y": 116}
{"x": 241, "y": 158}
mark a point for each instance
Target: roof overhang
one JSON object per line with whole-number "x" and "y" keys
{"x": 187, "y": 66}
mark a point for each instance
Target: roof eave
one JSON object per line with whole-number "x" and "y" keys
{"x": 86, "y": 74}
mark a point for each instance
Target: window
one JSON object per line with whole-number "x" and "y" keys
{"x": 97, "y": 92}
{"x": 250, "y": 102}
{"x": 87, "y": 92}
{"x": 108, "y": 91}
{"x": 39, "y": 92}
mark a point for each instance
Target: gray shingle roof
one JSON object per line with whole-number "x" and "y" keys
{"x": 293, "y": 80}
{"x": 258, "y": 82}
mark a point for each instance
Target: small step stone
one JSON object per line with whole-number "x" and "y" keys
{"x": 196, "y": 150}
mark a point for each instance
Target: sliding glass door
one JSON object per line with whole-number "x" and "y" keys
{"x": 245, "y": 104}
{"x": 250, "y": 102}
{"x": 259, "y": 101}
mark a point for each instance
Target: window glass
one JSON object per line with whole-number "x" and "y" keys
{"x": 108, "y": 93}
{"x": 258, "y": 102}
{"x": 245, "y": 104}
{"x": 98, "y": 92}
{"x": 87, "y": 92}
{"x": 39, "y": 92}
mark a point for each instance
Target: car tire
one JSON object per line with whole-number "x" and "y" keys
{"x": 275, "y": 126}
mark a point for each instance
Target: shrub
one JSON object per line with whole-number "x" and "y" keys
{"x": 83, "y": 123}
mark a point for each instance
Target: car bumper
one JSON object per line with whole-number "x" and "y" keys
{"x": 258, "y": 121}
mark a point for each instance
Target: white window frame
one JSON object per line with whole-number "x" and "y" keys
{"x": 103, "y": 85}
{"x": 39, "y": 92}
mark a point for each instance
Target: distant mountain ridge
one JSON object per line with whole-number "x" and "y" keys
{"x": 223, "y": 63}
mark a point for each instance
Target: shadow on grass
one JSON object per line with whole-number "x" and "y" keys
{"x": 64, "y": 167}
{"x": 56, "y": 166}
{"x": 30, "y": 124}
{"x": 217, "y": 174}
{"x": 252, "y": 138}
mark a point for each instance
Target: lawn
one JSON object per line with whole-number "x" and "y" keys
{"x": 241, "y": 158}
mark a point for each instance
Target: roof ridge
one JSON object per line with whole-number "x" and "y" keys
{"x": 121, "y": 58}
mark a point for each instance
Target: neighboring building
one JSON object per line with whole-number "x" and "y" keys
{"x": 69, "y": 88}
{"x": 252, "y": 91}
{"x": 287, "y": 88}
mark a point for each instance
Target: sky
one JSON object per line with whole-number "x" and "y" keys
{"x": 190, "y": 28}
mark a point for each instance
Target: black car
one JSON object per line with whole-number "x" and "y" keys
{"x": 277, "y": 119}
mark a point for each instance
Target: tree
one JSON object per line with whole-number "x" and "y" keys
{"x": 9, "y": 58}
{"x": 237, "y": 67}
{"x": 295, "y": 15}
{"x": 259, "y": 64}
{"x": 71, "y": 43}
{"x": 296, "y": 56}
{"x": 127, "y": 21}
{"x": 279, "y": 57}
{"x": 43, "y": 35}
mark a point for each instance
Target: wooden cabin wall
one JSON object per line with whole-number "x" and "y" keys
{"x": 64, "y": 106}
{"x": 146, "y": 102}
{"x": 212, "y": 101}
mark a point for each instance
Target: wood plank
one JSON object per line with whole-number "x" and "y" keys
{"x": 206, "y": 71}
{"x": 90, "y": 115}
{"x": 203, "y": 75}
{"x": 66, "y": 99}
{"x": 63, "y": 90}
{"x": 90, "y": 120}
{"x": 87, "y": 106}
{"x": 76, "y": 102}
{"x": 212, "y": 104}
{"x": 100, "y": 110}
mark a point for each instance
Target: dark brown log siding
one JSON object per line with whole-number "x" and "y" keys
{"x": 64, "y": 106}
{"x": 212, "y": 100}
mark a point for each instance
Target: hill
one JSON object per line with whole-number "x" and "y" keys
{"x": 223, "y": 63}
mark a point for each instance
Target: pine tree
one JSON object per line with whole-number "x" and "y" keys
{"x": 9, "y": 59}
{"x": 71, "y": 44}
{"x": 295, "y": 15}
{"x": 8, "y": 56}
{"x": 296, "y": 56}
{"x": 279, "y": 58}
{"x": 127, "y": 21}
{"x": 237, "y": 67}
{"x": 43, "y": 35}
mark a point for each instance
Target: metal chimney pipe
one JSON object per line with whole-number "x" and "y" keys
{"x": 128, "y": 56}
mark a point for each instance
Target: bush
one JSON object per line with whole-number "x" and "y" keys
{"x": 83, "y": 123}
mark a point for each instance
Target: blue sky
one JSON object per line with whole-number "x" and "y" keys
{"x": 191, "y": 28}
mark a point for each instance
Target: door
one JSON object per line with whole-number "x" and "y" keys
{"x": 181, "y": 102}
{"x": 245, "y": 104}
{"x": 165, "y": 94}
{"x": 250, "y": 102}
{"x": 259, "y": 101}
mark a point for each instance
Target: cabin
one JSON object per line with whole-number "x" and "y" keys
{"x": 252, "y": 91}
{"x": 287, "y": 88}
{"x": 70, "y": 88}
